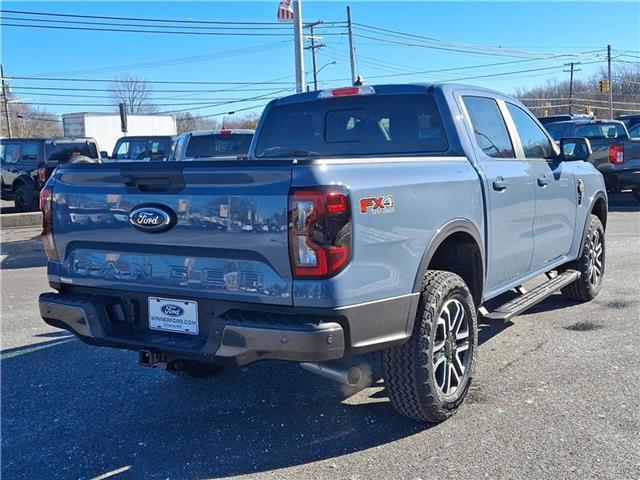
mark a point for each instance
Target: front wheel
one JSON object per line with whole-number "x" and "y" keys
{"x": 590, "y": 264}
{"x": 428, "y": 377}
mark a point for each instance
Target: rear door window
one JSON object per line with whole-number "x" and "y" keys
{"x": 353, "y": 126}
{"x": 489, "y": 128}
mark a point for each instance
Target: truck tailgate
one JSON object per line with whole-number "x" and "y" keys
{"x": 227, "y": 237}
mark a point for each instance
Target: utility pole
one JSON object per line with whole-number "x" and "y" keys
{"x": 297, "y": 38}
{"x": 572, "y": 69}
{"x": 610, "y": 84}
{"x": 6, "y": 102}
{"x": 352, "y": 48}
{"x": 313, "y": 47}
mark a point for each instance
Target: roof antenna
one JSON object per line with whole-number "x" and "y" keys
{"x": 359, "y": 81}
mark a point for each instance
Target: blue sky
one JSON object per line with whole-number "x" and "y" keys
{"x": 535, "y": 29}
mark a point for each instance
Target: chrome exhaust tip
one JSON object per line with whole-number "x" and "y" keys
{"x": 349, "y": 376}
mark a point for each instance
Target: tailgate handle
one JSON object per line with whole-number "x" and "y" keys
{"x": 149, "y": 184}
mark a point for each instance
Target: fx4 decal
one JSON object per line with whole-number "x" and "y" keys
{"x": 377, "y": 205}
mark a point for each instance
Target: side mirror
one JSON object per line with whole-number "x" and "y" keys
{"x": 104, "y": 154}
{"x": 575, "y": 149}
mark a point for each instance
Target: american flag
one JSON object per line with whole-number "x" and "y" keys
{"x": 285, "y": 11}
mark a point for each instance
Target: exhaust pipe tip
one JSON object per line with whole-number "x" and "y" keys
{"x": 354, "y": 376}
{"x": 349, "y": 376}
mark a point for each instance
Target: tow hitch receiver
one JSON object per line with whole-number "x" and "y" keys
{"x": 148, "y": 358}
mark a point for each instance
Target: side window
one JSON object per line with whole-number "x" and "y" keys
{"x": 11, "y": 153}
{"x": 122, "y": 152}
{"x": 534, "y": 142}
{"x": 138, "y": 150}
{"x": 30, "y": 151}
{"x": 489, "y": 127}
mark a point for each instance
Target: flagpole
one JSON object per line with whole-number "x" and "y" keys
{"x": 299, "y": 50}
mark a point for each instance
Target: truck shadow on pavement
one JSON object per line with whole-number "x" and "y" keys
{"x": 75, "y": 411}
{"x": 22, "y": 254}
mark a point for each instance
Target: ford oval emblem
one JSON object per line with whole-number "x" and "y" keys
{"x": 151, "y": 218}
{"x": 172, "y": 310}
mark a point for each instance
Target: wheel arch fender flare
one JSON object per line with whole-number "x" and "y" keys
{"x": 24, "y": 180}
{"x": 458, "y": 225}
{"x": 599, "y": 196}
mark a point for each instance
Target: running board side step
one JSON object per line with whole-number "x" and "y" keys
{"x": 531, "y": 298}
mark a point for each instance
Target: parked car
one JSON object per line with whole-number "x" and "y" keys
{"x": 396, "y": 212}
{"x": 615, "y": 154}
{"x": 207, "y": 144}
{"x": 143, "y": 148}
{"x": 630, "y": 120}
{"x": 565, "y": 117}
{"x": 26, "y": 164}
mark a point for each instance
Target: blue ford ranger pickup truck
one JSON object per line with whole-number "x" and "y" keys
{"x": 366, "y": 218}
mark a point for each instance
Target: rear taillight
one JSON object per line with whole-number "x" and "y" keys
{"x": 616, "y": 154}
{"x": 46, "y": 204}
{"x": 319, "y": 232}
{"x": 42, "y": 175}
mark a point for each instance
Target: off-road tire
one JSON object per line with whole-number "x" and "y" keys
{"x": 192, "y": 369}
{"x": 408, "y": 370}
{"x": 583, "y": 289}
{"x": 25, "y": 200}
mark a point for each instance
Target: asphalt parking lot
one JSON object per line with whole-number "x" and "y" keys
{"x": 556, "y": 395}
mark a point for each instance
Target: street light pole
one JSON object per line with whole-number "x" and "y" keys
{"x": 6, "y": 102}
{"x": 352, "y": 48}
{"x": 299, "y": 48}
{"x": 610, "y": 84}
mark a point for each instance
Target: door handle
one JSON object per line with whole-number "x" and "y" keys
{"x": 542, "y": 181}
{"x": 500, "y": 184}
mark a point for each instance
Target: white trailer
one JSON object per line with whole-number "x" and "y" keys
{"x": 105, "y": 128}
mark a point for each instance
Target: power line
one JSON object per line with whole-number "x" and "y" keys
{"x": 138, "y": 19}
{"x": 168, "y": 82}
{"x": 429, "y": 42}
{"x": 180, "y": 60}
{"x": 71, "y": 89}
{"x": 170, "y": 32}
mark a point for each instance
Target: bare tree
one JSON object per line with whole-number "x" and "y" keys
{"x": 552, "y": 97}
{"x": 134, "y": 92}
{"x": 27, "y": 122}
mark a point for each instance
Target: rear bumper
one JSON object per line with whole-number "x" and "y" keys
{"x": 230, "y": 334}
{"x": 617, "y": 180}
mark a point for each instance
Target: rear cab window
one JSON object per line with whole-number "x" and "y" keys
{"x": 386, "y": 124}
{"x": 64, "y": 151}
{"x": 602, "y": 130}
{"x": 218, "y": 145}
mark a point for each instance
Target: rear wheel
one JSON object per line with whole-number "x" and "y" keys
{"x": 590, "y": 264}
{"x": 25, "y": 200}
{"x": 428, "y": 377}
